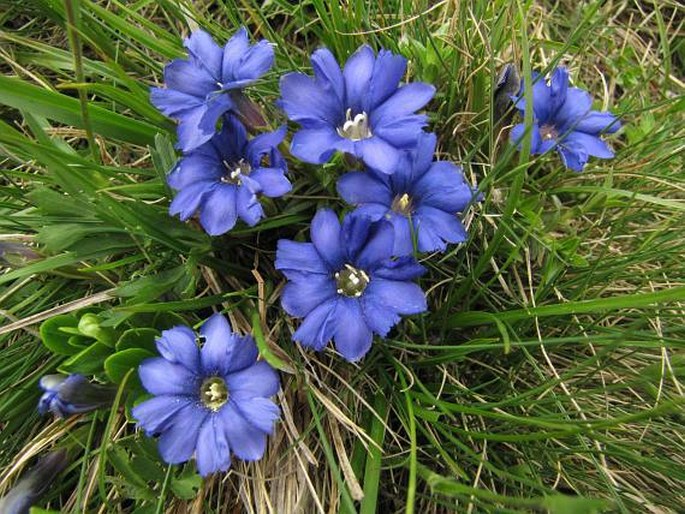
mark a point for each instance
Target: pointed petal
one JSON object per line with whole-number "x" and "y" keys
{"x": 402, "y": 268}
{"x": 443, "y": 187}
{"x": 406, "y": 100}
{"x": 219, "y": 214}
{"x": 593, "y": 145}
{"x": 402, "y": 297}
{"x": 187, "y": 77}
{"x": 388, "y": 70}
{"x": 301, "y": 296}
{"x": 353, "y": 337}
{"x": 217, "y": 349}
{"x": 177, "y": 345}
{"x": 272, "y": 181}
{"x": 378, "y": 154}
{"x": 263, "y": 144}
{"x": 261, "y": 413}
{"x": 187, "y": 201}
{"x": 308, "y": 102}
{"x": 435, "y": 228}
{"x": 205, "y": 52}
{"x": 260, "y": 379}
{"x": 155, "y": 414}
{"x": 246, "y": 442}
{"x": 233, "y": 52}
{"x": 325, "y": 234}
{"x": 258, "y": 59}
{"x": 213, "y": 453}
{"x": 315, "y": 146}
{"x": 379, "y": 245}
{"x": 595, "y": 122}
{"x": 318, "y": 326}
{"x": 300, "y": 258}
{"x": 171, "y": 102}
{"x": 359, "y": 187}
{"x": 177, "y": 442}
{"x": 357, "y": 73}
{"x": 160, "y": 376}
{"x": 248, "y": 207}
{"x": 327, "y": 70}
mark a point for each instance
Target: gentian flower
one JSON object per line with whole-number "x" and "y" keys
{"x": 33, "y": 484}
{"x": 72, "y": 394}
{"x": 223, "y": 178}
{"x": 421, "y": 197}
{"x": 345, "y": 284}
{"x": 210, "y": 401}
{"x": 198, "y": 90}
{"x": 563, "y": 120}
{"x": 359, "y": 110}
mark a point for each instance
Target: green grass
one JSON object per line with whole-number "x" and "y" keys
{"x": 547, "y": 375}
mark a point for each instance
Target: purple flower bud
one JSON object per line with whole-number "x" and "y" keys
{"x": 73, "y": 394}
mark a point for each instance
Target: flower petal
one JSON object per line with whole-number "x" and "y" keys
{"x": 361, "y": 187}
{"x": 435, "y": 228}
{"x": 308, "y": 102}
{"x": 155, "y": 414}
{"x": 558, "y": 86}
{"x": 573, "y": 156}
{"x": 406, "y": 100}
{"x": 218, "y": 347}
{"x": 402, "y": 132}
{"x": 187, "y": 77}
{"x": 379, "y": 318}
{"x": 213, "y": 453}
{"x": 300, "y": 258}
{"x": 187, "y": 201}
{"x": 263, "y": 144}
{"x": 353, "y": 337}
{"x": 177, "y": 345}
{"x": 219, "y": 213}
{"x": 443, "y": 187}
{"x": 357, "y": 74}
{"x": 301, "y": 296}
{"x": 318, "y": 326}
{"x": 595, "y": 122}
{"x": 327, "y": 70}
{"x": 272, "y": 181}
{"x": 593, "y": 145}
{"x": 378, "y": 154}
{"x": 248, "y": 207}
{"x": 257, "y": 380}
{"x": 233, "y": 53}
{"x": 172, "y": 102}
{"x": 325, "y": 234}
{"x": 400, "y": 296}
{"x": 261, "y": 413}
{"x": 246, "y": 442}
{"x": 160, "y": 376}
{"x": 387, "y": 72}
{"x": 258, "y": 59}
{"x": 401, "y": 268}
{"x": 315, "y": 146}
{"x": 379, "y": 245}
{"x": 205, "y": 52}
{"x": 194, "y": 168}
{"x": 577, "y": 105}
{"x": 177, "y": 442}
{"x": 197, "y": 125}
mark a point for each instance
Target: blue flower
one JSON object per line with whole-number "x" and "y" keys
{"x": 34, "y": 483}
{"x": 211, "y": 401}
{"x": 345, "y": 284}
{"x": 422, "y": 197}
{"x": 223, "y": 178}
{"x": 359, "y": 110}
{"x": 73, "y": 394}
{"x": 563, "y": 120}
{"x": 198, "y": 89}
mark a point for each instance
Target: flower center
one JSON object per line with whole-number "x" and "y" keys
{"x": 214, "y": 393}
{"x": 356, "y": 128}
{"x": 351, "y": 281}
{"x": 234, "y": 172}
{"x": 548, "y": 132}
{"x": 402, "y": 204}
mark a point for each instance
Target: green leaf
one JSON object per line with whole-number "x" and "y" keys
{"x": 55, "y": 339}
{"x": 90, "y": 326}
{"x": 66, "y": 109}
{"x": 88, "y": 361}
{"x": 143, "y": 338}
{"x": 185, "y": 487}
{"x": 563, "y": 504}
{"x": 118, "y": 364}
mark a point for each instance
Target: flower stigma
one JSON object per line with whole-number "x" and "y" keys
{"x": 235, "y": 172}
{"x": 402, "y": 204}
{"x": 351, "y": 281}
{"x": 357, "y": 128}
{"x": 548, "y": 132}
{"x": 214, "y": 393}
